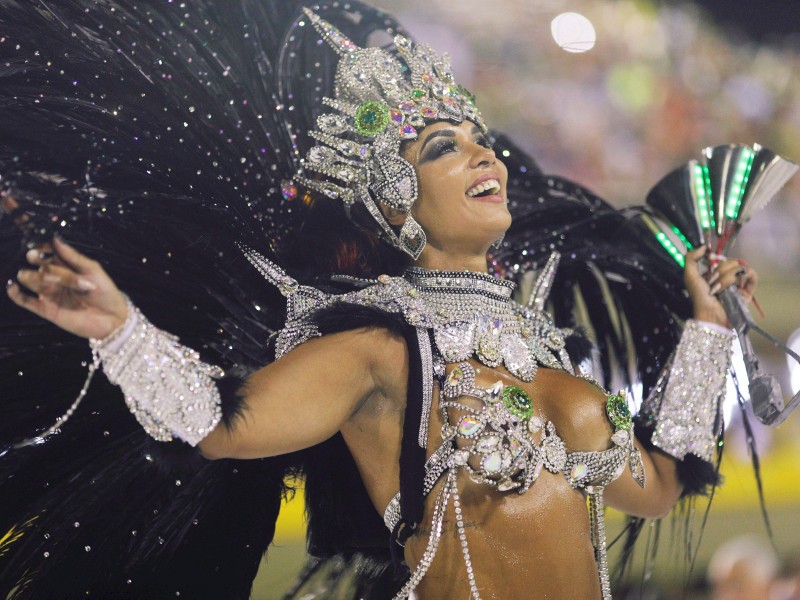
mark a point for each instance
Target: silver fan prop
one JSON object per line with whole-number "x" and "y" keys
{"x": 708, "y": 201}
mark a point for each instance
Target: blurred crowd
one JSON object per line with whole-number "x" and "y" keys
{"x": 743, "y": 568}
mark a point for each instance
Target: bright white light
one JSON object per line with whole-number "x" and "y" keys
{"x": 573, "y": 32}
{"x": 794, "y": 368}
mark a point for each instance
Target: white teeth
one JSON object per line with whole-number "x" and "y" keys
{"x": 491, "y": 184}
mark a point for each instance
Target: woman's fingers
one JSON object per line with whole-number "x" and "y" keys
{"x": 732, "y": 272}
{"x": 693, "y": 275}
{"x": 50, "y": 279}
{"x": 31, "y": 303}
{"x": 747, "y": 281}
{"x": 74, "y": 259}
{"x": 70, "y": 290}
{"x": 8, "y": 204}
{"x": 694, "y": 256}
{"x": 41, "y": 255}
{"x": 704, "y": 287}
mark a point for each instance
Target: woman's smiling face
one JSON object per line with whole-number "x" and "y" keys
{"x": 462, "y": 188}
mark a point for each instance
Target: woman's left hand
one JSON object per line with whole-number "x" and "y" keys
{"x": 703, "y": 290}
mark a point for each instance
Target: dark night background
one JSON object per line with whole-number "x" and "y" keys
{"x": 763, "y": 21}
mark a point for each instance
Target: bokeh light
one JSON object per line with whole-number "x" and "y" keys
{"x": 573, "y": 32}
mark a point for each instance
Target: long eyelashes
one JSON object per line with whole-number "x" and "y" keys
{"x": 445, "y": 146}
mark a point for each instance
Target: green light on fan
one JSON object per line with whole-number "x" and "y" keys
{"x": 682, "y": 237}
{"x": 740, "y": 179}
{"x": 707, "y": 181}
{"x": 702, "y": 186}
{"x": 670, "y": 248}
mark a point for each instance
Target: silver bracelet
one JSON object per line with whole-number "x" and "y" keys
{"x": 687, "y": 419}
{"x": 169, "y": 390}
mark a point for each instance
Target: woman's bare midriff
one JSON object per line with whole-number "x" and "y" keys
{"x": 531, "y": 546}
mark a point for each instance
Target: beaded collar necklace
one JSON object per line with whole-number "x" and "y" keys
{"x": 474, "y": 316}
{"x": 461, "y": 294}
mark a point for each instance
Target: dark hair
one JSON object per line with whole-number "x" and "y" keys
{"x": 328, "y": 243}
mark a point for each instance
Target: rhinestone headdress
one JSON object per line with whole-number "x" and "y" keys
{"x": 381, "y": 99}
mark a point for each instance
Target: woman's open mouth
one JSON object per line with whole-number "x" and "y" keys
{"x": 487, "y": 190}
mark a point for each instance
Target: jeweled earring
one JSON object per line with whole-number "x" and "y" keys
{"x": 412, "y": 237}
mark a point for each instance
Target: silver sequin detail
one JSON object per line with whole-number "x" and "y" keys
{"x": 597, "y": 521}
{"x": 687, "y": 420}
{"x": 426, "y": 356}
{"x": 473, "y": 315}
{"x": 169, "y": 390}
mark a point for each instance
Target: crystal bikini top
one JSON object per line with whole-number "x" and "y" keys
{"x": 506, "y": 442}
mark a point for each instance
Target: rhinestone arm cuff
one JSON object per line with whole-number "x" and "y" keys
{"x": 169, "y": 390}
{"x": 687, "y": 419}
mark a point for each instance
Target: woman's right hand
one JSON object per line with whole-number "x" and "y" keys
{"x": 69, "y": 289}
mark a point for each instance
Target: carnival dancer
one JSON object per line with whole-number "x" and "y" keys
{"x": 472, "y": 422}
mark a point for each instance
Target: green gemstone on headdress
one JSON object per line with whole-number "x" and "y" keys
{"x": 517, "y": 401}
{"x": 371, "y": 118}
{"x": 418, "y": 93}
{"x": 465, "y": 93}
{"x": 618, "y": 412}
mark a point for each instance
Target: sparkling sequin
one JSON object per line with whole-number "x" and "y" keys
{"x": 408, "y": 132}
{"x": 469, "y": 426}
{"x": 158, "y": 376}
{"x": 621, "y": 437}
{"x": 456, "y": 376}
{"x": 371, "y": 118}
{"x": 578, "y": 472}
{"x": 492, "y": 464}
{"x": 288, "y": 190}
{"x": 534, "y": 424}
{"x": 688, "y": 403}
{"x": 407, "y": 107}
{"x": 618, "y": 412}
{"x": 517, "y": 401}
{"x": 428, "y": 112}
{"x": 487, "y": 443}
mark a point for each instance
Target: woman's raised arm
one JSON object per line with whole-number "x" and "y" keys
{"x": 663, "y": 487}
{"x": 296, "y": 402}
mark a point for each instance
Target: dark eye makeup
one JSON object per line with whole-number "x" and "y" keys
{"x": 445, "y": 145}
{"x": 439, "y": 148}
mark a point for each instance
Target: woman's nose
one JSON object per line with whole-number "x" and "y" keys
{"x": 483, "y": 156}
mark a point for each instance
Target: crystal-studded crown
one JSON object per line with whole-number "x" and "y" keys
{"x": 381, "y": 99}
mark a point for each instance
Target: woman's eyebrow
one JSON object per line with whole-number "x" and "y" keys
{"x": 449, "y": 133}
